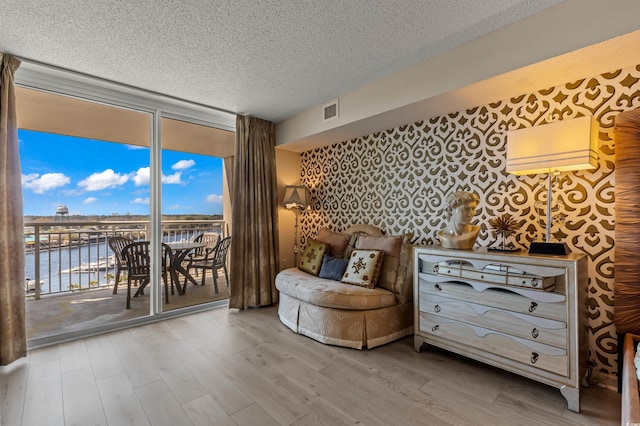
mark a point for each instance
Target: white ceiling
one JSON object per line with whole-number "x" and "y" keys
{"x": 271, "y": 59}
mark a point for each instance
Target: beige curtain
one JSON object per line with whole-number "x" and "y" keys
{"x": 254, "y": 247}
{"x": 13, "y": 340}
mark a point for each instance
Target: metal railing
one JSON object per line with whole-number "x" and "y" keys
{"x": 70, "y": 256}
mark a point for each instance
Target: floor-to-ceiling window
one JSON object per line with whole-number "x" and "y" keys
{"x": 193, "y": 194}
{"x": 97, "y": 164}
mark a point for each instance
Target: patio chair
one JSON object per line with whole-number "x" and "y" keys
{"x": 215, "y": 259}
{"x": 116, "y": 244}
{"x": 200, "y": 254}
{"x": 138, "y": 261}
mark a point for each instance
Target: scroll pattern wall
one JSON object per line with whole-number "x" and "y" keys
{"x": 398, "y": 181}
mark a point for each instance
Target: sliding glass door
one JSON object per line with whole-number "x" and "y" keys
{"x": 85, "y": 184}
{"x": 193, "y": 219}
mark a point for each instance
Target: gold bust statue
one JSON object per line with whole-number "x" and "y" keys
{"x": 459, "y": 233}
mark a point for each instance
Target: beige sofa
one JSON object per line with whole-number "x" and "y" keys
{"x": 348, "y": 315}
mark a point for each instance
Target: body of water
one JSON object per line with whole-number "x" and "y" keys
{"x": 73, "y": 268}
{"x": 70, "y": 268}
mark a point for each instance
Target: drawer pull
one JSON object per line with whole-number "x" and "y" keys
{"x": 438, "y": 287}
{"x": 534, "y": 357}
{"x": 437, "y": 308}
{"x": 436, "y": 269}
{"x": 535, "y": 333}
{"x": 533, "y": 306}
{"x": 534, "y": 282}
{"x": 435, "y": 327}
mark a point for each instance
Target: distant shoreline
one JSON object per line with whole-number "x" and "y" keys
{"x": 132, "y": 217}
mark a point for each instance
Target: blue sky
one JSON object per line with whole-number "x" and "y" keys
{"x": 95, "y": 177}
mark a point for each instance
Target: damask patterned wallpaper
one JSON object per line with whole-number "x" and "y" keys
{"x": 398, "y": 181}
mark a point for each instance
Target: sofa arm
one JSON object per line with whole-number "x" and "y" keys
{"x": 630, "y": 396}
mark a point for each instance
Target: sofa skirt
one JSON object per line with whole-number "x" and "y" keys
{"x": 349, "y": 328}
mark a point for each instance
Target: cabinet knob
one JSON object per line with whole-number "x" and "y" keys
{"x": 534, "y": 282}
{"x": 436, "y": 308}
{"x": 438, "y": 287}
{"x": 435, "y": 327}
{"x": 535, "y": 333}
{"x": 436, "y": 269}
{"x": 533, "y": 306}
{"x": 534, "y": 357}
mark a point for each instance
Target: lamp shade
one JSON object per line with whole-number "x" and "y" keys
{"x": 562, "y": 146}
{"x": 296, "y": 197}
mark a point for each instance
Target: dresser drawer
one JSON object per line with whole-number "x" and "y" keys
{"x": 531, "y": 302}
{"x": 497, "y": 274}
{"x": 528, "y": 327}
{"x": 538, "y": 355}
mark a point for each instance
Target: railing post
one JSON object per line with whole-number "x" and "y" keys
{"x": 36, "y": 259}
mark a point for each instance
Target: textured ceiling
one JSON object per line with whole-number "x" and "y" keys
{"x": 271, "y": 59}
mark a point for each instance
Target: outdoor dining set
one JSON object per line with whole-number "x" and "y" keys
{"x": 207, "y": 251}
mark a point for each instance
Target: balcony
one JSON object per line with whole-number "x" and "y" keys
{"x": 75, "y": 269}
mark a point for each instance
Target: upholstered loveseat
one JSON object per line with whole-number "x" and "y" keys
{"x": 337, "y": 313}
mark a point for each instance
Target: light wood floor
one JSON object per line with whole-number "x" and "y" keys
{"x": 226, "y": 367}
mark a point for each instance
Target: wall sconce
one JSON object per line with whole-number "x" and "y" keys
{"x": 296, "y": 197}
{"x": 553, "y": 148}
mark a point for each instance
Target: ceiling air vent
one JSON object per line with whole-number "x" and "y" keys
{"x": 330, "y": 110}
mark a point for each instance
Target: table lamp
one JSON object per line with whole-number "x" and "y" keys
{"x": 296, "y": 197}
{"x": 562, "y": 146}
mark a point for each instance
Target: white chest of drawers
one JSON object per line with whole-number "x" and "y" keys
{"x": 523, "y": 313}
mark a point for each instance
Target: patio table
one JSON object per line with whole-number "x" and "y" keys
{"x": 178, "y": 253}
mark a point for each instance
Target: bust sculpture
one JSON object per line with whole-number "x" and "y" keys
{"x": 459, "y": 233}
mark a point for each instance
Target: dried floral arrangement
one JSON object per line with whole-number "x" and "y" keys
{"x": 504, "y": 225}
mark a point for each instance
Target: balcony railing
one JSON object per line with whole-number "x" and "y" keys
{"x": 66, "y": 256}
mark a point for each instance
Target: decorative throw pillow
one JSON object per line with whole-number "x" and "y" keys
{"x": 363, "y": 268}
{"x": 333, "y": 267}
{"x": 337, "y": 242}
{"x": 311, "y": 259}
{"x": 391, "y": 246}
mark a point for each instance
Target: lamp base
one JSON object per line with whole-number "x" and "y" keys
{"x": 560, "y": 249}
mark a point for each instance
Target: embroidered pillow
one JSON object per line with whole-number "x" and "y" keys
{"x": 337, "y": 242}
{"x": 363, "y": 268}
{"x": 333, "y": 267}
{"x": 311, "y": 259}
{"x": 391, "y": 246}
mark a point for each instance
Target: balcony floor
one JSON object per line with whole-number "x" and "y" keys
{"x": 68, "y": 312}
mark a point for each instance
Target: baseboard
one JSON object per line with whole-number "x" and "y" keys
{"x": 604, "y": 380}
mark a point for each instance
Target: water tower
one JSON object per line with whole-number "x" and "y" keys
{"x": 62, "y": 213}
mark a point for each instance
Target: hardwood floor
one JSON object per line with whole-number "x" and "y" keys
{"x": 224, "y": 367}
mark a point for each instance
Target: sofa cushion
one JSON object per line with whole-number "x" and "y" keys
{"x": 364, "y": 268}
{"x": 391, "y": 245}
{"x": 333, "y": 267}
{"x": 337, "y": 242}
{"x": 331, "y": 294}
{"x": 311, "y": 259}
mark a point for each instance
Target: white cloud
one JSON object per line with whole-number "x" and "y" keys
{"x": 174, "y": 207}
{"x": 214, "y": 198}
{"x": 90, "y": 200}
{"x": 132, "y": 147}
{"x": 40, "y": 184}
{"x": 183, "y": 165}
{"x": 103, "y": 180}
{"x": 172, "y": 179}
{"x": 141, "y": 201}
{"x": 142, "y": 177}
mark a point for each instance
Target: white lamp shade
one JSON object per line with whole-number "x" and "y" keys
{"x": 562, "y": 146}
{"x": 296, "y": 197}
